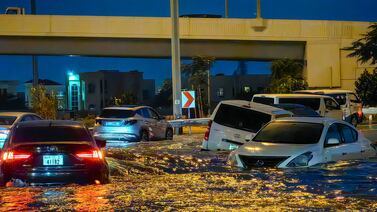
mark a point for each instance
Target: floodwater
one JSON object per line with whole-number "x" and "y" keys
{"x": 176, "y": 175}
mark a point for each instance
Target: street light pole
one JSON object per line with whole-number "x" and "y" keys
{"x": 176, "y": 59}
{"x": 259, "y": 10}
{"x": 226, "y": 8}
{"x": 33, "y": 8}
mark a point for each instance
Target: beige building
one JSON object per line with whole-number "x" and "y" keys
{"x": 102, "y": 86}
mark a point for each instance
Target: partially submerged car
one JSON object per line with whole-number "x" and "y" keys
{"x": 302, "y": 142}
{"x": 235, "y": 122}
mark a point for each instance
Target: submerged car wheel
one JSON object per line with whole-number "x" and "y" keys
{"x": 144, "y": 136}
{"x": 169, "y": 134}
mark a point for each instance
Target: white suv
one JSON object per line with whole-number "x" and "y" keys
{"x": 350, "y": 103}
{"x": 235, "y": 122}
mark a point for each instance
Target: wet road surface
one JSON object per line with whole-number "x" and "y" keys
{"x": 176, "y": 175}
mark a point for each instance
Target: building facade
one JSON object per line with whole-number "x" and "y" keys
{"x": 102, "y": 86}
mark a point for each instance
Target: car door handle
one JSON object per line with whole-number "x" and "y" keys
{"x": 344, "y": 153}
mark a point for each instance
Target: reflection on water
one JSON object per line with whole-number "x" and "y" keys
{"x": 177, "y": 176}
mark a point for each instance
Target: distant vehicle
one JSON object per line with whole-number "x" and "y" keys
{"x": 132, "y": 123}
{"x": 201, "y": 16}
{"x": 302, "y": 142}
{"x": 15, "y": 11}
{"x": 324, "y": 105}
{"x": 235, "y": 122}
{"x": 349, "y": 102}
{"x": 53, "y": 152}
{"x": 298, "y": 110}
{"x": 9, "y": 119}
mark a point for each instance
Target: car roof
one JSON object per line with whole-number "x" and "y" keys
{"x": 289, "y": 95}
{"x": 319, "y": 120}
{"x": 48, "y": 123}
{"x": 126, "y": 107}
{"x": 326, "y": 91}
{"x": 256, "y": 106}
{"x": 16, "y": 113}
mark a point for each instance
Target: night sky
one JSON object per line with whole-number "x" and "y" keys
{"x": 55, "y": 67}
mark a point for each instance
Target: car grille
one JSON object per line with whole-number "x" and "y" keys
{"x": 261, "y": 161}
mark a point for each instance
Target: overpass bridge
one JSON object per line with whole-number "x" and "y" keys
{"x": 319, "y": 43}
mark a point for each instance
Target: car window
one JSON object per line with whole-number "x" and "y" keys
{"x": 145, "y": 113}
{"x": 313, "y": 103}
{"x": 27, "y": 118}
{"x": 45, "y": 134}
{"x": 340, "y": 98}
{"x": 290, "y": 133}
{"x": 264, "y": 100}
{"x": 331, "y": 104}
{"x": 241, "y": 118}
{"x": 36, "y": 118}
{"x": 333, "y": 132}
{"x": 7, "y": 120}
{"x": 349, "y": 135}
{"x": 153, "y": 114}
{"x": 140, "y": 113}
{"x": 114, "y": 113}
{"x": 354, "y": 98}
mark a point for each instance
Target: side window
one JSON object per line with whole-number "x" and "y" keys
{"x": 331, "y": 104}
{"x": 153, "y": 114}
{"x": 36, "y": 118}
{"x": 26, "y": 118}
{"x": 349, "y": 135}
{"x": 354, "y": 98}
{"x": 145, "y": 113}
{"x": 332, "y": 132}
{"x": 140, "y": 113}
{"x": 313, "y": 103}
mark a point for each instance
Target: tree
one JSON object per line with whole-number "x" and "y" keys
{"x": 365, "y": 49}
{"x": 164, "y": 98}
{"x": 43, "y": 103}
{"x": 197, "y": 74}
{"x": 366, "y": 87}
{"x": 126, "y": 98}
{"x": 287, "y": 76}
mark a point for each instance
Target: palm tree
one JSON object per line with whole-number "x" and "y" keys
{"x": 198, "y": 75}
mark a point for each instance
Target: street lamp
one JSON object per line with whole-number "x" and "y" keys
{"x": 176, "y": 59}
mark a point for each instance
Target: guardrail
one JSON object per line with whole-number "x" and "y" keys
{"x": 189, "y": 122}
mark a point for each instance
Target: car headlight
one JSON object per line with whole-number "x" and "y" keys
{"x": 301, "y": 160}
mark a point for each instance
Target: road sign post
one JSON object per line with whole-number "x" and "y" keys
{"x": 188, "y": 102}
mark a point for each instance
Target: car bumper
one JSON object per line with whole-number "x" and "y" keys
{"x": 58, "y": 176}
{"x": 130, "y": 137}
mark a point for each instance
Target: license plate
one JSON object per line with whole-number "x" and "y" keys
{"x": 113, "y": 124}
{"x": 52, "y": 160}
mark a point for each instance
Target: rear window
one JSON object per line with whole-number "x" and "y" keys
{"x": 312, "y": 103}
{"x": 241, "y": 118}
{"x": 264, "y": 100}
{"x": 290, "y": 133}
{"x": 46, "y": 134}
{"x": 340, "y": 98}
{"x": 7, "y": 120}
{"x": 113, "y": 113}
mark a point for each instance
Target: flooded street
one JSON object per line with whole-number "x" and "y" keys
{"x": 176, "y": 175}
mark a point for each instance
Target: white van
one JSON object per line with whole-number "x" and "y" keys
{"x": 349, "y": 102}
{"x": 235, "y": 122}
{"x": 324, "y": 105}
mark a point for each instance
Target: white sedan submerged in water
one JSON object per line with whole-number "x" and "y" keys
{"x": 302, "y": 142}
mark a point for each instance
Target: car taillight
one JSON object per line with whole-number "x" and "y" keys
{"x": 10, "y": 155}
{"x": 208, "y": 131}
{"x": 96, "y": 154}
{"x": 360, "y": 113}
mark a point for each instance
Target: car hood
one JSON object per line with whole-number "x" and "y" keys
{"x": 274, "y": 149}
